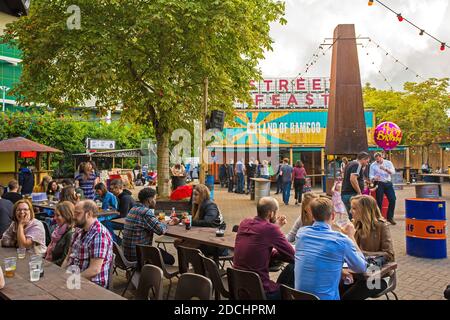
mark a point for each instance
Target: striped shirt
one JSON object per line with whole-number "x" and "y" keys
{"x": 87, "y": 185}
{"x": 96, "y": 243}
{"x": 140, "y": 224}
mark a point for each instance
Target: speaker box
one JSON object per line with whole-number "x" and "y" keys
{"x": 216, "y": 121}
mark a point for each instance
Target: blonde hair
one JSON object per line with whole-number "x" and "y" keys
{"x": 204, "y": 195}
{"x": 308, "y": 197}
{"x": 368, "y": 217}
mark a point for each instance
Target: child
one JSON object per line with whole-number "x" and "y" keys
{"x": 341, "y": 217}
{"x": 369, "y": 188}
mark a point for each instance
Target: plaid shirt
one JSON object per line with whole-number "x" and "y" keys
{"x": 140, "y": 225}
{"x": 95, "y": 243}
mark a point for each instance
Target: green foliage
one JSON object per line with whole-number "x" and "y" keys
{"x": 420, "y": 110}
{"x": 69, "y": 134}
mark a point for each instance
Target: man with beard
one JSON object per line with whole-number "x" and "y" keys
{"x": 260, "y": 240}
{"x": 92, "y": 246}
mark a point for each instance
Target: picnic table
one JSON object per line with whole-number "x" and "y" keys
{"x": 52, "y": 286}
{"x": 103, "y": 215}
{"x": 384, "y": 271}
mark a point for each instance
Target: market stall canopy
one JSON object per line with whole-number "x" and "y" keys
{"x": 21, "y": 144}
{"x": 128, "y": 153}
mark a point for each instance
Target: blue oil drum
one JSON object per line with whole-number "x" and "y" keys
{"x": 426, "y": 228}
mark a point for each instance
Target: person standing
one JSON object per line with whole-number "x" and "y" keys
{"x": 251, "y": 172}
{"x": 265, "y": 170}
{"x": 286, "y": 173}
{"x": 222, "y": 175}
{"x": 353, "y": 182}
{"x": 230, "y": 176}
{"x": 86, "y": 180}
{"x": 26, "y": 180}
{"x": 299, "y": 176}
{"x": 380, "y": 172}
{"x": 240, "y": 173}
{"x": 279, "y": 179}
{"x": 344, "y": 163}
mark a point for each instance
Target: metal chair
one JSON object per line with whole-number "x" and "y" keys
{"x": 392, "y": 285}
{"x": 228, "y": 258}
{"x": 220, "y": 283}
{"x": 245, "y": 285}
{"x": 292, "y": 294}
{"x": 192, "y": 256}
{"x": 48, "y": 233}
{"x": 192, "y": 286}
{"x": 151, "y": 279}
{"x": 152, "y": 255}
{"x": 163, "y": 240}
{"x": 109, "y": 285}
{"x": 123, "y": 264}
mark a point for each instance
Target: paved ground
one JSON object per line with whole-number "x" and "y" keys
{"x": 418, "y": 279}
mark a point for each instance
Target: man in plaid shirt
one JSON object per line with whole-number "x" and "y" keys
{"x": 140, "y": 225}
{"x": 92, "y": 246}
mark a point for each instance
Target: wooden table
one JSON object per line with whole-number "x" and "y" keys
{"x": 203, "y": 235}
{"x": 383, "y": 272}
{"x": 52, "y": 286}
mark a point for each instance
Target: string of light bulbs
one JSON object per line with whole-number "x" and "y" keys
{"x": 382, "y": 75}
{"x": 401, "y": 18}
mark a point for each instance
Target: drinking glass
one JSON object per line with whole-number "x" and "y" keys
{"x": 35, "y": 271}
{"x": 10, "y": 266}
{"x": 21, "y": 253}
{"x": 341, "y": 219}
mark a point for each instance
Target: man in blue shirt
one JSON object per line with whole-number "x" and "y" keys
{"x": 240, "y": 172}
{"x": 321, "y": 252}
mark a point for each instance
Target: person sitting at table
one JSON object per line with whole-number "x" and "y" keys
{"x": 259, "y": 240}
{"x": 6, "y": 213}
{"x": 13, "y": 194}
{"x": 109, "y": 201}
{"x": 124, "y": 197}
{"x": 321, "y": 252}
{"x": 91, "y": 251}
{"x": 78, "y": 191}
{"x": 69, "y": 194}
{"x": 53, "y": 190}
{"x": 374, "y": 238}
{"x": 305, "y": 218}
{"x": 25, "y": 231}
{"x": 140, "y": 225}
{"x": 62, "y": 235}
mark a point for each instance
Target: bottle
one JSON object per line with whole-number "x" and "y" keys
{"x": 173, "y": 213}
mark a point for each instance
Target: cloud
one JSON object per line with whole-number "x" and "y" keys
{"x": 310, "y": 21}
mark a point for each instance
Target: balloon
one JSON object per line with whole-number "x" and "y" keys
{"x": 387, "y": 135}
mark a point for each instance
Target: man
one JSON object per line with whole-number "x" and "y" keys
{"x": 286, "y": 178}
{"x": 279, "y": 178}
{"x": 124, "y": 197}
{"x": 6, "y": 213}
{"x": 260, "y": 240}
{"x": 230, "y": 176}
{"x": 26, "y": 180}
{"x": 380, "y": 172}
{"x": 250, "y": 168}
{"x": 140, "y": 225}
{"x": 240, "y": 173}
{"x": 353, "y": 183}
{"x": 223, "y": 175}
{"x": 321, "y": 252}
{"x": 13, "y": 194}
{"x": 92, "y": 246}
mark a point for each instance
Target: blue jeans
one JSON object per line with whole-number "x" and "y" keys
{"x": 240, "y": 182}
{"x": 386, "y": 188}
{"x": 346, "y": 200}
{"x": 286, "y": 191}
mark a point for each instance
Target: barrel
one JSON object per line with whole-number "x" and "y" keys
{"x": 210, "y": 185}
{"x": 384, "y": 205}
{"x": 430, "y": 191}
{"x": 262, "y": 188}
{"x": 425, "y": 228}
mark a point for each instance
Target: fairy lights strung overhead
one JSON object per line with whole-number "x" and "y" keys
{"x": 402, "y": 18}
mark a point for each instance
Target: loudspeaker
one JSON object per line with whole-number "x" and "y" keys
{"x": 216, "y": 121}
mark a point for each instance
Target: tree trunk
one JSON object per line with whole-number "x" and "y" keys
{"x": 162, "y": 142}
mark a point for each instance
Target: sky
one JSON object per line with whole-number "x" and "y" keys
{"x": 310, "y": 21}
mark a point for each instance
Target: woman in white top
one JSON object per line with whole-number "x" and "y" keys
{"x": 305, "y": 218}
{"x": 265, "y": 170}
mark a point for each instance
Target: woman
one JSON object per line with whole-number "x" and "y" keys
{"x": 86, "y": 180}
{"x": 344, "y": 163}
{"x": 43, "y": 186}
{"x": 178, "y": 170}
{"x": 53, "y": 189}
{"x": 299, "y": 178}
{"x": 109, "y": 201}
{"x": 69, "y": 194}
{"x": 25, "y": 231}
{"x": 265, "y": 170}
{"x": 374, "y": 238}
{"x": 62, "y": 236}
{"x": 305, "y": 218}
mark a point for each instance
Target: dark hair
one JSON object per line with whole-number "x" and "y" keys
{"x": 266, "y": 205}
{"x": 146, "y": 193}
{"x": 363, "y": 155}
{"x": 66, "y": 209}
{"x": 101, "y": 186}
{"x": 299, "y": 164}
{"x": 49, "y": 187}
{"x": 13, "y": 184}
{"x": 116, "y": 183}
{"x": 321, "y": 209}
{"x": 2, "y": 189}
{"x": 68, "y": 194}
{"x": 67, "y": 182}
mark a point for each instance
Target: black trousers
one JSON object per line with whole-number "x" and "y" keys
{"x": 230, "y": 185}
{"x": 298, "y": 187}
{"x": 359, "y": 290}
{"x": 386, "y": 188}
{"x": 279, "y": 184}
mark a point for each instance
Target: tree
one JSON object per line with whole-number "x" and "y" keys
{"x": 420, "y": 110}
{"x": 150, "y": 56}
